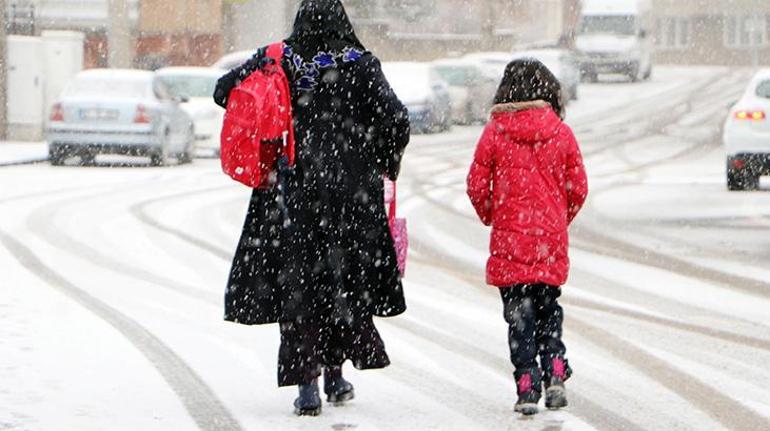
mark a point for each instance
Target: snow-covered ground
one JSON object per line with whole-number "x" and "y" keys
{"x": 22, "y": 152}
{"x": 111, "y": 290}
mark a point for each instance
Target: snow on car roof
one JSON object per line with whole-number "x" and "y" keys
{"x": 455, "y": 62}
{"x": 762, "y": 74}
{"x": 550, "y": 57}
{"x": 232, "y": 60}
{"x": 406, "y": 66}
{"x": 494, "y": 56}
{"x": 189, "y": 70}
{"x": 117, "y": 74}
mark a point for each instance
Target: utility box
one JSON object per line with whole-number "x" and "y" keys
{"x": 26, "y": 88}
{"x": 63, "y": 59}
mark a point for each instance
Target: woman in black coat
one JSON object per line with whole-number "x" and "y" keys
{"x": 318, "y": 258}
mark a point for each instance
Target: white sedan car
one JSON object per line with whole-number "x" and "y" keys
{"x": 197, "y": 84}
{"x": 119, "y": 112}
{"x": 747, "y": 135}
{"x": 470, "y": 90}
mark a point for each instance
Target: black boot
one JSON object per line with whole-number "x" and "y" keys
{"x": 338, "y": 390}
{"x": 555, "y": 393}
{"x": 309, "y": 401}
{"x": 529, "y": 388}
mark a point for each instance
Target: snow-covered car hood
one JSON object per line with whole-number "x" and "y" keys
{"x": 608, "y": 43}
{"x": 201, "y": 109}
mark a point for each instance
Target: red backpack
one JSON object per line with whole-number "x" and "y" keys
{"x": 258, "y": 129}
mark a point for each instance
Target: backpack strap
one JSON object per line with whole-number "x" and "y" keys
{"x": 275, "y": 51}
{"x": 392, "y": 212}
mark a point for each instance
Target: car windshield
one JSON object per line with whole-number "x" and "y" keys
{"x": 191, "y": 85}
{"x": 455, "y": 76}
{"x": 608, "y": 24}
{"x": 763, "y": 89}
{"x": 114, "y": 87}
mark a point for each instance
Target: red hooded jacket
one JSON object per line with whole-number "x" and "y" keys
{"x": 528, "y": 182}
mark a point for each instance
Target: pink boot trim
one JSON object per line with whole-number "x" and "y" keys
{"x": 525, "y": 383}
{"x": 559, "y": 368}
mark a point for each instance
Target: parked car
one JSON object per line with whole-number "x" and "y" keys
{"x": 563, "y": 64}
{"x": 197, "y": 84}
{"x": 747, "y": 135}
{"x": 424, "y": 93}
{"x": 492, "y": 63}
{"x": 470, "y": 90}
{"x": 119, "y": 112}
{"x": 233, "y": 60}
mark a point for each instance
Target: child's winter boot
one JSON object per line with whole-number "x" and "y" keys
{"x": 555, "y": 393}
{"x": 309, "y": 401}
{"x": 528, "y": 384}
{"x": 338, "y": 390}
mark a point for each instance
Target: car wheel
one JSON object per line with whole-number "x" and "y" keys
{"x": 634, "y": 73}
{"x": 161, "y": 156}
{"x": 741, "y": 182}
{"x": 734, "y": 182}
{"x": 187, "y": 155}
{"x": 57, "y": 155}
{"x": 745, "y": 178}
{"x": 88, "y": 159}
{"x": 590, "y": 77}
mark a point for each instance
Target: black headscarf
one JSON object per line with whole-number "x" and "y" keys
{"x": 528, "y": 79}
{"x": 322, "y": 26}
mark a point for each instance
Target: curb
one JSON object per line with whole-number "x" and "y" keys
{"x": 23, "y": 162}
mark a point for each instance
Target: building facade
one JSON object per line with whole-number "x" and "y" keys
{"x": 163, "y": 32}
{"x": 719, "y": 32}
{"x": 90, "y": 17}
{"x": 179, "y": 33}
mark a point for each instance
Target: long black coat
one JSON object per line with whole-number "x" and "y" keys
{"x": 333, "y": 256}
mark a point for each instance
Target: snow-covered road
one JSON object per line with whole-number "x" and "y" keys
{"x": 111, "y": 283}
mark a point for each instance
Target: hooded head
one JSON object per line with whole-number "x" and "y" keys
{"x": 529, "y": 80}
{"x": 322, "y": 26}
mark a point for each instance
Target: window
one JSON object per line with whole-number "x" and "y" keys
{"x": 672, "y": 33}
{"x": 746, "y": 31}
{"x": 763, "y": 89}
{"x": 624, "y": 25}
{"x": 161, "y": 90}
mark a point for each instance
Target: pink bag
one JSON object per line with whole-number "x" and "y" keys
{"x": 397, "y": 227}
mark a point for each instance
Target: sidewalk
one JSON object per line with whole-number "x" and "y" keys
{"x": 22, "y": 153}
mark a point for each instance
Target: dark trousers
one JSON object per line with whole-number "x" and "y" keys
{"x": 308, "y": 345}
{"x": 535, "y": 322}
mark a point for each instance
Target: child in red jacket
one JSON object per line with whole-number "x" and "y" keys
{"x": 528, "y": 182}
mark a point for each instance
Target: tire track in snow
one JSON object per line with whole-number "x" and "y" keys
{"x": 199, "y": 400}
{"x": 40, "y": 223}
{"x": 139, "y": 211}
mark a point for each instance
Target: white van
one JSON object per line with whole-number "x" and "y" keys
{"x": 613, "y": 37}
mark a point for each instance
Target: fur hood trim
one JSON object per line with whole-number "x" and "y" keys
{"x": 520, "y": 106}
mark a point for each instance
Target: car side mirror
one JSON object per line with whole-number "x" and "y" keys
{"x": 183, "y": 99}
{"x": 732, "y": 104}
